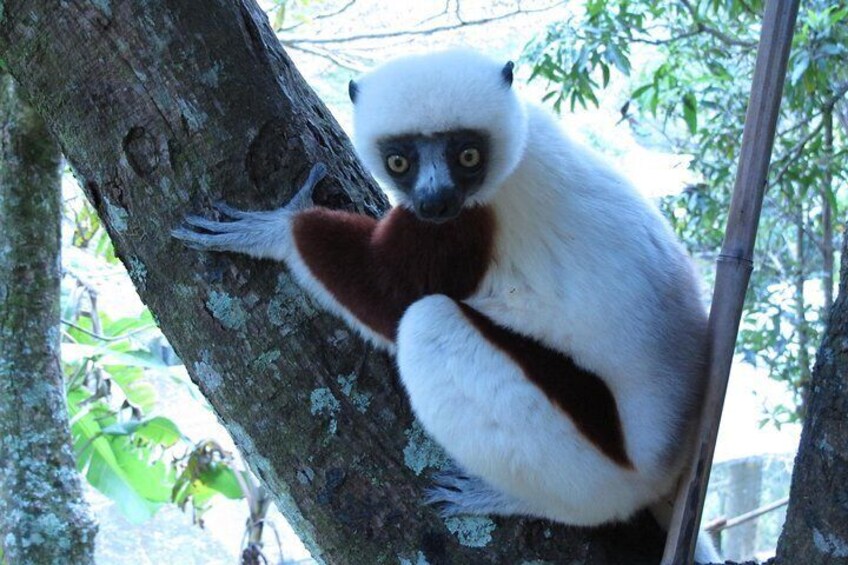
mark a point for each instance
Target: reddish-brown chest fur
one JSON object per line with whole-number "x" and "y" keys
{"x": 378, "y": 269}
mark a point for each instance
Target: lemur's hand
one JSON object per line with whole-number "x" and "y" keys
{"x": 261, "y": 234}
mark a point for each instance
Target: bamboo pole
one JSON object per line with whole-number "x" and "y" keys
{"x": 734, "y": 267}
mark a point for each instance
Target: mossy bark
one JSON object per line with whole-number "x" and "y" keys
{"x": 816, "y": 530}
{"x": 43, "y": 517}
{"x": 163, "y": 108}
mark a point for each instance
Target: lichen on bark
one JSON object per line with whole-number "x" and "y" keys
{"x": 43, "y": 517}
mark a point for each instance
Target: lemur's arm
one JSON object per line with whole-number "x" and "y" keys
{"x": 342, "y": 242}
{"x": 265, "y": 235}
{"x": 366, "y": 271}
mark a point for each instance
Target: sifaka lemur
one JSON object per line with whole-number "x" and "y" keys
{"x": 548, "y": 326}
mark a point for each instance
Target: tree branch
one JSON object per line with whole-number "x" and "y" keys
{"x": 293, "y": 41}
{"x": 795, "y": 153}
{"x": 718, "y": 34}
{"x": 349, "y": 4}
{"x": 108, "y": 338}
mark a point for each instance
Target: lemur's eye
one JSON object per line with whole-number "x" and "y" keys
{"x": 469, "y": 157}
{"x": 397, "y": 164}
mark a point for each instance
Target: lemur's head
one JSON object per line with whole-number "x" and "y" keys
{"x": 442, "y": 131}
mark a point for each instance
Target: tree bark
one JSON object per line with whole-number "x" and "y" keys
{"x": 163, "y": 108}
{"x": 816, "y": 530}
{"x": 43, "y": 517}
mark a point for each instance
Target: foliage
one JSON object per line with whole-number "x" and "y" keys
{"x": 137, "y": 458}
{"x": 695, "y": 61}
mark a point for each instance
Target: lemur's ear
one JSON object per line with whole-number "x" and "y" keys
{"x": 506, "y": 73}
{"x": 352, "y": 91}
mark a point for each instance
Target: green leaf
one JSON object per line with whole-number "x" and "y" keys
{"x": 134, "y": 486}
{"x": 280, "y": 17}
{"x": 138, "y": 390}
{"x": 150, "y": 479}
{"x": 122, "y": 326}
{"x": 160, "y": 430}
{"x": 690, "y": 112}
{"x": 838, "y": 15}
{"x": 222, "y": 479}
{"x": 641, "y": 90}
{"x": 802, "y": 62}
{"x": 830, "y": 195}
{"x": 122, "y": 428}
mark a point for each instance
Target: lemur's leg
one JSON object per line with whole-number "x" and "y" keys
{"x": 546, "y": 448}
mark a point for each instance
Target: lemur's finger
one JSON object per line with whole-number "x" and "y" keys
{"x": 303, "y": 199}
{"x": 209, "y": 242}
{"x": 190, "y": 238}
{"x": 318, "y": 172}
{"x": 229, "y": 211}
{"x": 209, "y": 225}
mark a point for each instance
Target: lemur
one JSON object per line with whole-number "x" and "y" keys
{"x": 547, "y": 325}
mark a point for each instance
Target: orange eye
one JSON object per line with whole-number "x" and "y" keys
{"x": 397, "y": 164}
{"x": 469, "y": 157}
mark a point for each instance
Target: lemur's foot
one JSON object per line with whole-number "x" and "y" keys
{"x": 456, "y": 492}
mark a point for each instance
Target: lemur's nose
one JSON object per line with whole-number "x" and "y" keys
{"x": 439, "y": 206}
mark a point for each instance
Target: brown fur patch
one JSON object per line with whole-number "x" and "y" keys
{"x": 378, "y": 269}
{"x": 582, "y": 395}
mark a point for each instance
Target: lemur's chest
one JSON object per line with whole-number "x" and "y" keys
{"x": 419, "y": 258}
{"x": 378, "y": 269}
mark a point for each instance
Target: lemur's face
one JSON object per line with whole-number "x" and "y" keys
{"x": 436, "y": 172}
{"x": 440, "y": 131}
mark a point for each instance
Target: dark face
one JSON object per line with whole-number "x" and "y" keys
{"x": 437, "y": 172}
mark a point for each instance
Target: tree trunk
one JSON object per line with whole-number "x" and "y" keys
{"x": 816, "y": 530}
{"x": 163, "y": 108}
{"x": 43, "y": 517}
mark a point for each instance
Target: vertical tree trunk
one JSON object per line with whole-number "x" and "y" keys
{"x": 816, "y": 530}
{"x": 43, "y": 518}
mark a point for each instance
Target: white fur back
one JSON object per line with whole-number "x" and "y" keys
{"x": 586, "y": 264}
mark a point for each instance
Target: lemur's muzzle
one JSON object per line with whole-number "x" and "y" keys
{"x": 438, "y": 205}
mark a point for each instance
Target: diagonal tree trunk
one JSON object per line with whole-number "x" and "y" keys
{"x": 43, "y": 517}
{"x": 163, "y": 108}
